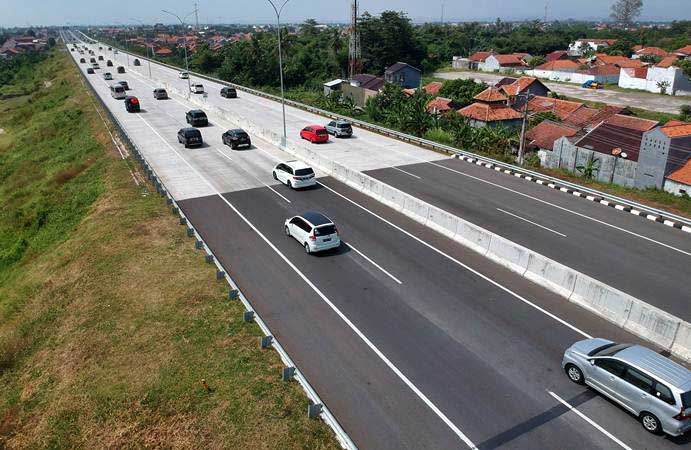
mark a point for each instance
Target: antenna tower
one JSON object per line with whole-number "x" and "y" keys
{"x": 354, "y": 52}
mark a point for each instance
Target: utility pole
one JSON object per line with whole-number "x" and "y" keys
{"x": 544, "y": 21}
{"x": 521, "y": 145}
{"x": 196, "y": 17}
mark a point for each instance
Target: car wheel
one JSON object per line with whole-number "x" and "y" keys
{"x": 651, "y": 423}
{"x": 186, "y": 146}
{"x": 274, "y": 175}
{"x": 289, "y": 184}
{"x": 575, "y": 374}
{"x": 287, "y": 231}
{"x": 307, "y": 248}
{"x": 233, "y": 146}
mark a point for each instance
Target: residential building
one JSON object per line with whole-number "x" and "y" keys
{"x": 478, "y": 58}
{"x": 542, "y": 136}
{"x": 505, "y": 63}
{"x": 577, "y": 47}
{"x": 433, "y": 87}
{"x": 333, "y": 86}
{"x": 361, "y": 87}
{"x": 663, "y": 150}
{"x": 559, "y": 65}
{"x": 490, "y": 109}
{"x": 669, "y": 80}
{"x": 403, "y": 74}
{"x": 679, "y": 181}
{"x": 440, "y": 105}
{"x": 683, "y": 53}
{"x": 560, "y": 108}
{"x": 557, "y": 55}
{"x": 650, "y": 51}
{"x": 523, "y": 85}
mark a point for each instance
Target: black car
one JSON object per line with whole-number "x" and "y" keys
{"x": 109, "y": 48}
{"x": 109, "y": 63}
{"x": 100, "y": 48}
{"x": 191, "y": 137}
{"x": 236, "y": 138}
{"x": 125, "y": 85}
{"x": 197, "y": 118}
{"x": 100, "y": 57}
{"x": 82, "y": 60}
{"x": 228, "y": 92}
{"x": 160, "y": 94}
{"x": 90, "y": 71}
{"x": 121, "y": 69}
{"x": 137, "y": 63}
{"x": 132, "y": 104}
{"x": 92, "y": 60}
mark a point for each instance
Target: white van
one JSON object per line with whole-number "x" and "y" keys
{"x": 117, "y": 91}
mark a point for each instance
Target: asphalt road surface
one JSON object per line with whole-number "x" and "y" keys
{"x": 411, "y": 340}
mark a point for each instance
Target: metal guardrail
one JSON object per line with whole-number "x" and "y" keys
{"x": 439, "y": 147}
{"x": 291, "y": 371}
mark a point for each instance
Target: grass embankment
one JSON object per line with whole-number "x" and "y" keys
{"x": 109, "y": 319}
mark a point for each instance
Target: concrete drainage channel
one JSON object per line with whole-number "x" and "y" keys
{"x": 624, "y": 310}
{"x": 618, "y": 203}
{"x": 316, "y": 409}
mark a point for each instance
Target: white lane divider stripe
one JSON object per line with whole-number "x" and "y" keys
{"x": 531, "y": 222}
{"x": 255, "y": 177}
{"x": 590, "y": 421}
{"x": 407, "y": 173}
{"x": 326, "y": 300}
{"x": 374, "y": 264}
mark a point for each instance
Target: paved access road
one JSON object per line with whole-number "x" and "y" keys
{"x": 412, "y": 340}
{"x": 645, "y": 259}
{"x": 642, "y": 100}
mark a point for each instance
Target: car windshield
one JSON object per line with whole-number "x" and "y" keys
{"x": 321, "y": 131}
{"x": 193, "y": 133}
{"x": 344, "y": 125}
{"x": 325, "y": 230}
{"x": 686, "y": 400}
{"x": 303, "y": 172}
{"x": 241, "y": 134}
{"x": 199, "y": 114}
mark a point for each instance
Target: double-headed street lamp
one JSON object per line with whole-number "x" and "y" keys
{"x": 184, "y": 31}
{"x": 278, "y": 11}
{"x": 146, "y": 44}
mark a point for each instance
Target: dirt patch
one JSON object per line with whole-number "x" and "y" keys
{"x": 47, "y": 84}
{"x": 2, "y": 131}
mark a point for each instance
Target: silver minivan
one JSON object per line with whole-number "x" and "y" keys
{"x": 117, "y": 91}
{"x": 653, "y": 388}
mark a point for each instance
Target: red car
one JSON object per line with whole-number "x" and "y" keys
{"x": 314, "y": 133}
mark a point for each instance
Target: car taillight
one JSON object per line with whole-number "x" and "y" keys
{"x": 313, "y": 238}
{"x": 135, "y": 101}
{"x": 682, "y": 416}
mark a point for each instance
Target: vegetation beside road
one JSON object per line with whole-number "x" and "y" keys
{"x": 109, "y": 319}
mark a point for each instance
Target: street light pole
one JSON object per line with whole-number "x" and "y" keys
{"x": 521, "y": 145}
{"x": 146, "y": 45}
{"x": 280, "y": 64}
{"x": 184, "y": 31}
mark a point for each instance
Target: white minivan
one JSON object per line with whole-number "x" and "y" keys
{"x": 294, "y": 174}
{"x": 314, "y": 231}
{"x": 197, "y": 88}
{"x": 117, "y": 91}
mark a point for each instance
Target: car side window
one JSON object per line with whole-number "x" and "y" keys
{"x": 663, "y": 393}
{"x": 332, "y": 124}
{"x": 611, "y": 365}
{"x": 289, "y": 170}
{"x": 308, "y": 129}
{"x": 638, "y": 379}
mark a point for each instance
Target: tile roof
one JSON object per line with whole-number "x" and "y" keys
{"x": 682, "y": 174}
{"x": 667, "y": 62}
{"x": 676, "y": 129}
{"x": 505, "y": 81}
{"x": 560, "y": 108}
{"x": 491, "y": 95}
{"x": 368, "y": 81}
{"x": 684, "y": 50}
{"x": 631, "y": 123}
{"x": 480, "y": 56}
{"x": 640, "y": 72}
{"x": 611, "y": 139}
{"x": 598, "y": 41}
{"x": 489, "y": 113}
{"x": 546, "y": 132}
{"x": 409, "y": 92}
{"x": 433, "y": 87}
{"x": 635, "y": 48}
{"x": 621, "y": 61}
{"x": 558, "y": 64}
{"x": 555, "y": 55}
{"x": 439, "y": 105}
{"x": 582, "y": 116}
{"x": 509, "y": 60}
{"x": 607, "y": 112}
{"x": 604, "y": 69}
{"x": 520, "y": 85}
{"x": 656, "y": 51}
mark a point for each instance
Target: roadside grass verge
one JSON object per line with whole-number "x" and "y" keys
{"x": 109, "y": 319}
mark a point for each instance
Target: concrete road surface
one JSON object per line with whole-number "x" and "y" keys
{"x": 642, "y": 100}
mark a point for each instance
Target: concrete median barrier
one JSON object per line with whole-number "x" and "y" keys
{"x": 613, "y": 305}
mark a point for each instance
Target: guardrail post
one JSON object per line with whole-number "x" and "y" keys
{"x": 176, "y": 210}
{"x": 209, "y": 259}
{"x": 313, "y": 411}
{"x": 248, "y": 316}
{"x": 265, "y": 341}
{"x": 190, "y": 232}
{"x": 183, "y": 220}
{"x": 198, "y": 244}
{"x": 220, "y": 274}
{"x": 233, "y": 294}
{"x": 288, "y": 373}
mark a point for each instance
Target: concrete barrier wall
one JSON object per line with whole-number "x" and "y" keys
{"x": 613, "y": 305}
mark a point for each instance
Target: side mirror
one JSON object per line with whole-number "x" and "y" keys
{"x": 592, "y": 362}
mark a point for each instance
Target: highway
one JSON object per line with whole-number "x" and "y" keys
{"x": 597, "y": 240}
{"x": 411, "y": 340}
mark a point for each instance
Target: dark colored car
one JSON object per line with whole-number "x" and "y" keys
{"x": 229, "y": 92}
{"x": 72, "y": 49}
{"x": 137, "y": 63}
{"x": 100, "y": 48}
{"x": 109, "y": 48}
{"x": 90, "y": 71}
{"x": 132, "y": 104}
{"x": 82, "y": 60}
{"x": 121, "y": 69}
{"x": 160, "y": 94}
{"x": 197, "y": 118}
{"x": 191, "y": 137}
{"x": 100, "y": 57}
{"x": 125, "y": 85}
{"x": 314, "y": 133}
{"x": 92, "y": 60}
{"x": 236, "y": 138}
{"x": 109, "y": 63}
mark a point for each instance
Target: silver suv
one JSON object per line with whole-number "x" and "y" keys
{"x": 339, "y": 128}
{"x": 653, "y": 388}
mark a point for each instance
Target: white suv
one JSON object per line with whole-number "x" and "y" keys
{"x": 294, "y": 174}
{"x": 184, "y": 75}
{"x": 314, "y": 231}
{"x": 196, "y": 88}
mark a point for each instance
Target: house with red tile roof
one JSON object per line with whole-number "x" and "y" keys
{"x": 524, "y": 85}
{"x": 683, "y": 52}
{"x": 163, "y": 51}
{"x": 440, "y": 105}
{"x": 490, "y": 109}
{"x": 678, "y": 182}
{"x": 664, "y": 151}
{"x": 505, "y": 63}
{"x": 561, "y": 65}
{"x": 667, "y": 62}
{"x": 668, "y": 80}
{"x": 542, "y": 136}
{"x": 560, "y": 108}
{"x": 650, "y": 51}
{"x": 556, "y": 55}
{"x": 595, "y": 44}
{"x": 433, "y": 87}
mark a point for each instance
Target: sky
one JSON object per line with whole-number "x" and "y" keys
{"x": 79, "y": 12}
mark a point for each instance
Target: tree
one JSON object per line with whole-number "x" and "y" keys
{"x": 685, "y": 66}
{"x": 625, "y": 11}
{"x": 685, "y": 113}
{"x": 51, "y": 42}
{"x": 536, "y": 61}
{"x": 388, "y": 39}
{"x": 663, "y": 86}
{"x": 461, "y": 91}
{"x": 590, "y": 168}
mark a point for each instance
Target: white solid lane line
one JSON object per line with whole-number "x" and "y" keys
{"x": 468, "y": 268}
{"x": 326, "y": 300}
{"x": 590, "y": 421}
{"x": 531, "y": 222}
{"x": 407, "y": 173}
{"x": 255, "y": 177}
{"x": 374, "y": 264}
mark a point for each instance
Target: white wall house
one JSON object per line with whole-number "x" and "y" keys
{"x": 677, "y": 83}
{"x": 575, "y": 48}
{"x": 558, "y": 75}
